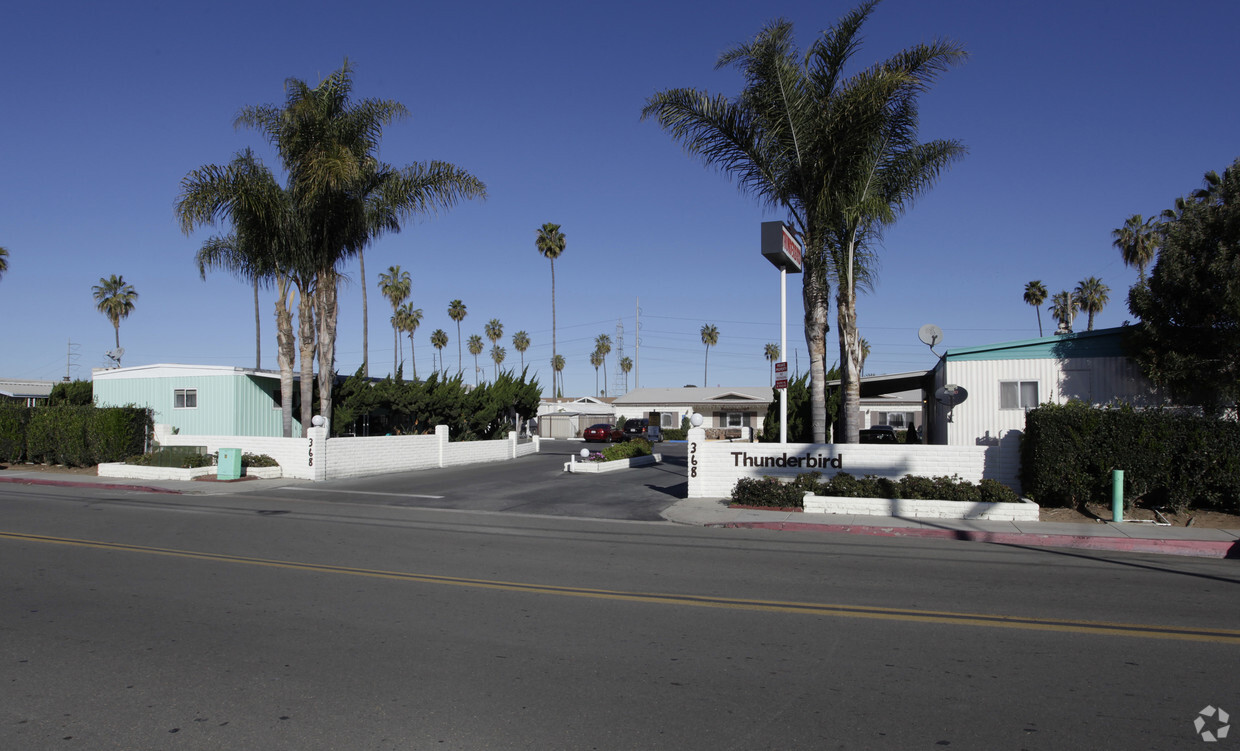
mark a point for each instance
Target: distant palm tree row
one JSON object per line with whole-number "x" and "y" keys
{"x": 1090, "y": 296}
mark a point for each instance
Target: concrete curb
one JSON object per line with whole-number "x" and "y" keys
{"x": 1195, "y": 548}
{"x": 86, "y": 484}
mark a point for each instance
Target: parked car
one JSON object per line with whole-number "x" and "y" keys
{"x": 603, "y": 432}
{"x": 879, "y": 434}
{"x": 636, "y": 426}
{"x": 640, "y": 426}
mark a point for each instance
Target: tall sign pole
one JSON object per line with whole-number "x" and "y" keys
{"x": 781, "y": 248}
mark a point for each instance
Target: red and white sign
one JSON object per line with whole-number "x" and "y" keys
{"x": 781, "y": 375}
{"x": 780, "y": 247}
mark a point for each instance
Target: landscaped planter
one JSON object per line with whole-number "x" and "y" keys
{"x": 612, "y": 466}
{"x": 141, "y": 472}
{"x": 1025, "y": 511}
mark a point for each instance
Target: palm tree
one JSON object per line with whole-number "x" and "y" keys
{"x": 521, "y": 342}
{"x": 395, "y": 285}
{"x": 864, "y": 351}
{"x": 4, "y": 260}
{"x": 411, "y": 319}
{"x": 494, "y": 330}
{"x": 596, "y": 359}
{"x": 114, "y": 297}
{"x": 456, "y": 311}
{"x": 439, "y": 340}
{"x": 475, "y": 349}
{"x": 771, "y": 352}
{"x": 1063, "y": 307}
{"x": 344, "y": 196}
{"x": 602, "y": 344}
{"x": 262, "y": 245}
{"x": 1137, "y": 242}
{"x": 1091, "y": 295}
{"x": 710, "y": 337}
{"x": 551, "y": 243}
{"x": 626, "y": 364}
{"x": 498, "y": 354}
{"x": 1035, "y": 295}
{"x": 839, "y": 155}
{"x": 557, "y": 369}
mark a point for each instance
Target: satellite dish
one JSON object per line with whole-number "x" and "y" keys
{"x": 115, "y": 355}
{"x": 930, "y": 335}
{"x": 951, "y": 394}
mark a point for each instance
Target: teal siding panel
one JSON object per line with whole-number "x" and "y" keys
{"x": 227, "y": 404}
{"x": 1102, "y": 343}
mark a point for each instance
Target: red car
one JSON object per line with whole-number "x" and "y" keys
{"x": 603, "y": 432}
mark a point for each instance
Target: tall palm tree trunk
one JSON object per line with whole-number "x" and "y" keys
{"x": 816, "y": 295}
{"x": 286, "y": 352}
{"x": 361, "y": 257}
{"x": 328, "y": 308}
{"x": 413, "y": 358}
{"x": 555, "y": 388}
{"x": 850, "y": 368}
{"x": 305, "y": 330}
{"x": 258, "y": 329}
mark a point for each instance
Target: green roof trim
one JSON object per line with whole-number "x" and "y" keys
{"x": 1100, "y": 343}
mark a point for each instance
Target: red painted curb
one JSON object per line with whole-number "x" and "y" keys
{"x": 104, "y": 485}
{"x": 1195, "y": 548}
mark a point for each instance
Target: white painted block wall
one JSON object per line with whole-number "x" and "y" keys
{"x": 714, "y": 466}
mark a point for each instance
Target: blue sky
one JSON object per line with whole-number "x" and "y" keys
{"x": 1076, "y": 115}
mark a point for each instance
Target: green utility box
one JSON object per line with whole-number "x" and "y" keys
{"x": 229, "y": 467}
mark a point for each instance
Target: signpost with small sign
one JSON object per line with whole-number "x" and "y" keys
{"x": 780, "y": 247}
{"x": 781, "y": 375}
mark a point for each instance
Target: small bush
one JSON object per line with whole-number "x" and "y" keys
{"x": 767, "y": 492}
{"x": 258, "y": 460}
{"x": 635, "y": 447}
{"x": 675, "y": 434}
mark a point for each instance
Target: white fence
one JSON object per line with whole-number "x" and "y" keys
{"x": 715, "y": 466}
{"x": 315, "y": 457}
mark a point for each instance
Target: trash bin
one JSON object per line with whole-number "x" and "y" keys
{"x": 229, "y": 466}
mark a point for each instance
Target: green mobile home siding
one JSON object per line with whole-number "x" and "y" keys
{"x": 227, "y": 404}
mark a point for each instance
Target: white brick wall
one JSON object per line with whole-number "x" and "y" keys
{"x": 714, "y": 467}
{"x": 316, "y": 458}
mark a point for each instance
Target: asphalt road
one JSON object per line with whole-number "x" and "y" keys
{"x": 309, "y": 620}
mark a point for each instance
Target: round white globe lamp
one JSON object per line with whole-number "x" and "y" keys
{"x": 318, "y": 421}
{"x": 695, "y": 420}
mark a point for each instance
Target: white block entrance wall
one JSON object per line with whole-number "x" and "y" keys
{"x": 314, "y": 457}
{"x": 715, "y": 466}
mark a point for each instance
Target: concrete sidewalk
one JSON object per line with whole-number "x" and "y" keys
{"x": 1133, "y": 537}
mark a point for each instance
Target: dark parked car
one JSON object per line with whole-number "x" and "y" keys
{"x": 640, "y": 426}
{"x": 603, "y": 432}
{"x": 879, "y": 434}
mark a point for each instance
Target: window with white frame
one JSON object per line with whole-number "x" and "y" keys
{"x": 735, "y": 420}
{"x": 667, "y": 420}
{"x": 1018, "y": 394}
{"x": 185, "y": 399}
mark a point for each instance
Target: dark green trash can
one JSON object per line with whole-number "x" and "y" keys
{"x": 229, "y": 467}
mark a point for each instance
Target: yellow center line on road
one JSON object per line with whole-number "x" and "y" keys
{"x": 1143, "y": 631}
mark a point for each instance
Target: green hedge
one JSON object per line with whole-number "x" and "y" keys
{"x": 1169, "y": 458}
{"x": 72, "y": 435}
{"x": 768, "y": 491}
{"x": 627, "y": 450}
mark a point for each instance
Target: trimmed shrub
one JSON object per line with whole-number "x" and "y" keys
{"x": 767, "y": 492}
{"x": 1169, "y": 458}
{"x": 675, "y": 434}
{"x": 627, "y": 450}
{"x": 13, "y": 433}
